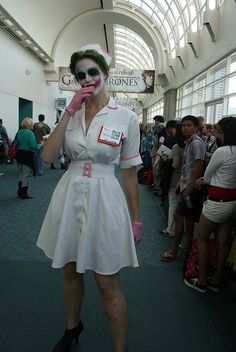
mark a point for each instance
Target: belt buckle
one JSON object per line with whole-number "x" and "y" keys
{"x": 87, "y": 169}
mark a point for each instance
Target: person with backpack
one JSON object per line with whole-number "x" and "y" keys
{"x": 189, "y": 204}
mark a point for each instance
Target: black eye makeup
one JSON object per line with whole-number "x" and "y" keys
{"x": 92, "y": 72}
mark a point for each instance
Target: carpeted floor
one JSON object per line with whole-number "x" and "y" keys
{"x": 164, "y": 315}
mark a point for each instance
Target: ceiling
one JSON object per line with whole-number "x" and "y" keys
{"x": 141, "y": 34}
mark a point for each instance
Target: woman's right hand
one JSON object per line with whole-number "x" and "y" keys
{"x": 79, "y": 98}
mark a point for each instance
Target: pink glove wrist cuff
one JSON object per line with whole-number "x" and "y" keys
{"x": 137, "y": 231}
{"x": 71, "y": 112}
{"x": 137, "y": 223}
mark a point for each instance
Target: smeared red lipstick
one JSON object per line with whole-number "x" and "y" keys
{"x": 97, "y": 83}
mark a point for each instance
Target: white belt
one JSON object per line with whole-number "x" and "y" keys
{"x": 89, "y": 169}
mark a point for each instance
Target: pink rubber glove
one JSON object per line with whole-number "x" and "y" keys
{"x": 79, "y": 98}
{"x": 137, "y": 231}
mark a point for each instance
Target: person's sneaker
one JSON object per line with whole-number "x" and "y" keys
{"x": 212, "y": 287}
{"x": 192, "y": 283}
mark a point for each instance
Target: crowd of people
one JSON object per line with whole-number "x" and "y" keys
{"x": 197, "y": 174}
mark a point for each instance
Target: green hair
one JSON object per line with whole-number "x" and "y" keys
{"x": 88, "y": 54}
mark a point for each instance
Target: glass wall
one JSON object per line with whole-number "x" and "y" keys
{"x": 211, "y": 94}
{"x": 131, "y": 51}
{"x": 156, "y": 109}
{"x": 173, "y": 18}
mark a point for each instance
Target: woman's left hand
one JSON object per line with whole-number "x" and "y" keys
{"x": 199, "y": 182}
{"x": 137, "y": 231}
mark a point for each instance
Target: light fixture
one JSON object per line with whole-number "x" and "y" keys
{"x": 8, "y": 22}
{"x": 19, "y": 33}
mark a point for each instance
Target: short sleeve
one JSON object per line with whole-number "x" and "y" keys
{"x": 176, "y": 151}
{"x": 130, "y": 147}
{"x": 199, "y": 150}
{"x": 32, "y": 141}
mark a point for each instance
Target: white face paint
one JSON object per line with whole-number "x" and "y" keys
{"x": 87, "y": 73}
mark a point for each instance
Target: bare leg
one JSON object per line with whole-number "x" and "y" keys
{"x": 189, "y": 229}
{"x": 222, "y": 235}
{"x": 206, "y": 227}
{"x": 115, "y": 307}
{"x": 73, "y": 294}
{"x": 179, "y": 230}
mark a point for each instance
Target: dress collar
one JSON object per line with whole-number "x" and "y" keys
{"x": 112, "y": 104}
{"x": 105, "y": 110}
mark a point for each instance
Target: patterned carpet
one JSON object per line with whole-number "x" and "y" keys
{"x": 164, "y": 315}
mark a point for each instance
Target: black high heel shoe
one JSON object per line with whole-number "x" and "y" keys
{"x": 69, "y": 336}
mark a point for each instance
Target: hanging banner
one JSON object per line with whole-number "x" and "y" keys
{"x": 130, "y": 81}
{"x": 66, "y": 80}
{"x": 126, "y": 102}
{"x": 119, "y": 80}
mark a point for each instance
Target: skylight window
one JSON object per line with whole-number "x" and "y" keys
{"x": 130, "y": 50}
{"x": 174, "y": 19}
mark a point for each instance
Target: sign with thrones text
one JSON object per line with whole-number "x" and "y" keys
{"x": 119, "y": 80}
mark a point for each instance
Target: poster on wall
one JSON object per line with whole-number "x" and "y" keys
{"x": 119, "y": 80}
{"x": 60, "y": 103}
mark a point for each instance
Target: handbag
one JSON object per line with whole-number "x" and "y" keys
{"x": 191, "y": 260}
{"x": 12, "y": 151}
{"x": 149, "y": 177}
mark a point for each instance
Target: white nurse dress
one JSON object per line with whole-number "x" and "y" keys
{"x": 88, "y": 220}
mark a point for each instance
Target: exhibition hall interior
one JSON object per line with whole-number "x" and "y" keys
{"x": 117, "y": 175}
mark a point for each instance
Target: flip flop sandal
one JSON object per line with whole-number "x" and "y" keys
{"x": 164, "y": 232}
{"x": 168, "y": 256}
{"x": 182, "y": 248}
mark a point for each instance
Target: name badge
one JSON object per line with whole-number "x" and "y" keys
{"x": 111, "y": 136}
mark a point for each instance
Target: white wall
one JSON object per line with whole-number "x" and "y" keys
{"x": 44, "y": 19}
{"x": 15, "y": 83}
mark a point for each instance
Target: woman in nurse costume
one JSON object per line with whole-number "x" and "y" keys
{"x": 88, "y": 224}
